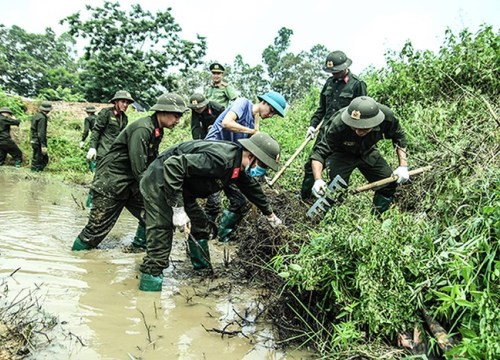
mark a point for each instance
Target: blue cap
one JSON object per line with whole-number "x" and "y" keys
{"x": 276, "y": 100}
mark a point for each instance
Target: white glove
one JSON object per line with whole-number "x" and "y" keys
{"x": 402, "y": 172}
{"x": 274, "y": 221}
{"x": 91, "y": 154}
{"x": 311, "y": 131}
{"x": 319, "y": 188}
{"x": 180, "y": 218}
{"x": 44, "y": 150}
{"x": 82, "y": 143}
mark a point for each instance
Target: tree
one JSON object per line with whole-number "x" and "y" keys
{"x": 293, "y": 75}
{"x": 132, "y": 51}
{"x": 30, "y": 62}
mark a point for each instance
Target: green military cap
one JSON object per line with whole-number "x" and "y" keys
{"x": 265, "y": 148}
{"x": 336, "y": 61}
{"x": 5, "y": 109}
{"x": 170, "y": 102}
{"x": 46, "y": 106}
{"x": 217, "y": 68}
{"x": 90, "y": 109}
{"x": 362, "y": 113}
{"x": 197, "y": 101}
{"x": 122, "y": 95}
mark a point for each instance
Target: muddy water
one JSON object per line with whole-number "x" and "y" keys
{"x": 95, "y": 296}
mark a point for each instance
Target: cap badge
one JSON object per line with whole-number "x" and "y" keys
{"x": 194, "y": 102}
{"x": 356, "y": 115}
{"x": 329, "y": 64}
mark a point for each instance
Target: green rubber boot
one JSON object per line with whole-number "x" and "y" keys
{"x": 199, "y": 253}
{"x": 227, "y": 223}
{"x": 148, "y": 282}
{"x": 92, "y": 165}
{"x": 18, "y": 163}
{"x": 88, "y": 202}
{"x": 140, "y": 238}
{"x": 80, "y": 245}
{"x": 380, "y": 204}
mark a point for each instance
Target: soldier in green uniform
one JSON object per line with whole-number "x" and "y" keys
{"x": 116, "y": 180}
{"x": 351, "y": 142}
{"x": 203, "y": 115}
{"x": 39, "y": 137}
{"x": 88, "y": 123}
{"x": 220, "y": 91}
{"x": 339, "y": 90}
{"x": 7, "y": 145}
{"x": 108, "y": 124}
{"x": 195, "y": 169}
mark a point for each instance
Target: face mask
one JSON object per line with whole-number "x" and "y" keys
{"x": 255, "y": 171}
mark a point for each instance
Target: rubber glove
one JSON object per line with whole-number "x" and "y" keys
{"x": 319, "y": 188}
{"x": 180, "y": 218}
{"x": 403, "y": 174}
{"x": 311, "y": 131}
{"x": 82, "y": 143}
{"x": 91, "y": 154}
{"x": 274, "y": 221}
{"x": 44, "y": 150}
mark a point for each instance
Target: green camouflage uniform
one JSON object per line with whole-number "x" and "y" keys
{"x": 341, "y": 150}
{"x": 180, "y": 175}
{"x": 116, "y": 181}
{"x": 335, "y": 95}
{"x": 38, "y": 140}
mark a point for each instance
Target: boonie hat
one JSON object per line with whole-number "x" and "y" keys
{"x": 197, "y": 101}
{"x": 217, "y": 68}
{"x": 265, "y": 148}
{"x": 5, "y": 109}
{"x": 362, "y": 113}
{"x": 122, "y": 95}
{"x": 276, "y": 100}
{"x": 170, "y": 102}
{"x": 336, "y": 61}
{"x": 46, "y": 106}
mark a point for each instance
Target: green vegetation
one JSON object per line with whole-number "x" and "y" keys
{"x": 357, "y": 281}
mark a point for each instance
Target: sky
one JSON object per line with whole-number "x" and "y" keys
{"x": 363, "y": 29}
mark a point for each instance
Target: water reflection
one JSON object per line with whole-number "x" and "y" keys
{"x": 94, "y": 294}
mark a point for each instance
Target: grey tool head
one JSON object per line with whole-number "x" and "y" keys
{"x": 324, "y": 203}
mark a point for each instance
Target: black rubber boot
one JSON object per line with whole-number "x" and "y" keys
{"x": 381, "y": 204}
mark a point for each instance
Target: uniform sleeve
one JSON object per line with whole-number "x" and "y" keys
{"x": 253, "y": 192}
{"x": 323, "y": 148}
{"x": 86, "y": 128}
{"x": 231, "y": 93}
{"x": 138, "y": 147}
{"x": 100, "y": 124}
{"x": 360, "y": 89}
{"x": 394, "y": 131}
{"x": 177, "y": 168}
{"x": 12, "y": 122}
{"x": 42, "y": 131}
{"x": 321, "y": 110}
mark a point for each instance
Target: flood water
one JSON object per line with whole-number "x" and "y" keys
{"x": 95, "y": 295}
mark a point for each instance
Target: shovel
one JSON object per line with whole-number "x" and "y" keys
{"x": 324, "y": 203}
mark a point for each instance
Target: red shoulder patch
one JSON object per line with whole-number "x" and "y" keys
{"x": 157, "y": 132}
{"x": 236, "y": 173}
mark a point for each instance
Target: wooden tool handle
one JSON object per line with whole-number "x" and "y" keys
{"x": 389, "y": 180}
{"x": 295, "y": 154}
